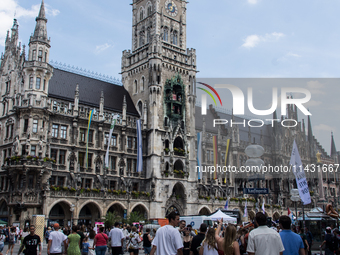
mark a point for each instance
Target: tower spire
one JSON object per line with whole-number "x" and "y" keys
{"x": 40, "y": 31}
{"x": 333, "y": 149}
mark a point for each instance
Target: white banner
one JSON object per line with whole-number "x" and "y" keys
{"x": 114, "y": 119}
{"x": 300, "y": 176}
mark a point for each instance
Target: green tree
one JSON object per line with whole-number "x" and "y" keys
{"x": 135, "y": 217}
{"x": 111, "y": 218}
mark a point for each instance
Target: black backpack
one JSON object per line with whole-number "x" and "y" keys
{"x": 333, "y": 243}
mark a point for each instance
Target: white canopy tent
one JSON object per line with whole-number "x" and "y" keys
{"x": 226, "y": 218}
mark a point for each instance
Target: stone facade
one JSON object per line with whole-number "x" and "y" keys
{"x": 44, "y": 118}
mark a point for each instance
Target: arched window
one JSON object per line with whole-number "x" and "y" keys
{"x": 143, "y": 83}
{"x": 149, "y": 10}
{"x": 141, "y": 39}
{"x": 141, "y": 16}
{"x": 148, "y": 35}
{"x": 140, "y": 108}
{"x": 165, "y": 36}
{"x": 174, "y": 41}
{"x": 135, "y": 87}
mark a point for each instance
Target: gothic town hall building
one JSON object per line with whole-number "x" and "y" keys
{"x": 43, "y": 132}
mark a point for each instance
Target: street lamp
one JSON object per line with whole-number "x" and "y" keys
{"x": 72, "y": 209}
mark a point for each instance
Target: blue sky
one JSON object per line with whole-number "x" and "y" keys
{"x": 244, "y": 38}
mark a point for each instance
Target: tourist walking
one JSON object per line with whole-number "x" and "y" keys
{"x": 11, "y": 240}
{"x": 187, "y": 239}
{"x": 209, "y": 245}
{"x": 304, "y": 239}
{"x": 292, "y": 242}
{"x": 309, "y": 240}
{"x": 90, "y": 240}
{"x": 85, "y": 248}
{"x": 117, "y": 239}
{"x": 2, "y": 242}
{"x": 168, "y": 240}
{"x": 134, "y": 240}
{"x": 227, "y": 245}
{"x": 55, "y": 241}
{"x": 198, "y": 239}
{"x": 264, "y": 240}
{"x": 147, "y": 242}
{"x": 73, "y": 246}
{"x": 100, "y": 242}
{"x": 330, "y": 242}
{"x": 31, "y": 243}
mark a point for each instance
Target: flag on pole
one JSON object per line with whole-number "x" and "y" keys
{"x": 245, "y": 210}
{"x": 226, "y": 160}
{"x": 263, "y": 210}
{"x": 290, "y": 214}
{"x": 300, "y": 176}
{"x": 139, "y": 147}
{"x": 199, "y": 154}
{"x": 113, "y": 123}
{"x": 215, "y": 155}
{"x": 87, "y": 140}
{"x": 226, "y": 204}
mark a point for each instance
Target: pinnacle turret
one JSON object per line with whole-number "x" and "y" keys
{"x": 40, "y": 31}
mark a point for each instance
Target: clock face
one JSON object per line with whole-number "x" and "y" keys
{"x": 171, "y": 8}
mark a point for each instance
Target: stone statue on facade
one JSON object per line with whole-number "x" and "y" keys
{"x": 16, "y": 146}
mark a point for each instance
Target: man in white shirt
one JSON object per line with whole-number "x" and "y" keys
{"x": 264, "y": 240}
{"x": 117, "y": 238}
{"x": 168, "y": 240}
{"x": 55, "y": 241}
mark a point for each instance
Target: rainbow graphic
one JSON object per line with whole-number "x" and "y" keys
{"x": 209, "y": 93}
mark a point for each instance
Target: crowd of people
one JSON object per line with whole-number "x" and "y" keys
{"x": 174, "y": 238}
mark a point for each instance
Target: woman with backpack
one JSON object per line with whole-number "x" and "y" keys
{"x": 11, "y": 240}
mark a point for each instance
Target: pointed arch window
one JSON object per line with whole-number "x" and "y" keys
{"x": 174, "y": 41}
{"x": 143, "y": 83}
{"x": 149, "y": 10}
{"x": 166, "y": 35}
{"x": 34, "y": 55}
{"x": 135, "y": 87}
{"x": 31, "y": 83}
{"x": 141, "y": 15}
{"x": 37, "y": 83}
{"x": 40, "y": 54}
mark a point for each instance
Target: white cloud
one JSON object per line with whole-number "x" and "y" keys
{"x": 101, "y": 48}
{"x": 9, "y": 8}
{"x": 252, "y": 1}
{"x": 253, "y": 40}
{"x": 290, "y": 54}
{"x": 323, "y": 127}
{"x": 315, "y": 87}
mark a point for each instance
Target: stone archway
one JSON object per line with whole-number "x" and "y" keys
{"x": 117, "y": 208}
{"x": 142, "y": 210}
{"x": 177, "y": 200}
{"x": 89, "y": 214}
{"x": 204, "y": 211}
{"x": 60, "y": 213}
{"x": 4, "y": 211}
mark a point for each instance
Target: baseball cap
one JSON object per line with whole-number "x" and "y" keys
{"x": 56, "y": 225}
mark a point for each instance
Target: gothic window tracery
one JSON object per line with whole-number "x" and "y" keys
{"x": 166, "y": 34}
{"x": 175, "y": 37}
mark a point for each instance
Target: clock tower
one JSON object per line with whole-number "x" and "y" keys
{"x": 159, "y": 73}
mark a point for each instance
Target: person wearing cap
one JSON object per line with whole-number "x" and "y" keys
{"x": 55, "y": 241}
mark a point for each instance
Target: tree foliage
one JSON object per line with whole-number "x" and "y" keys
{"x": 111, "y": 218}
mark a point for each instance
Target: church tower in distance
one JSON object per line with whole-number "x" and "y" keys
{"x": 159, "y": 73}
